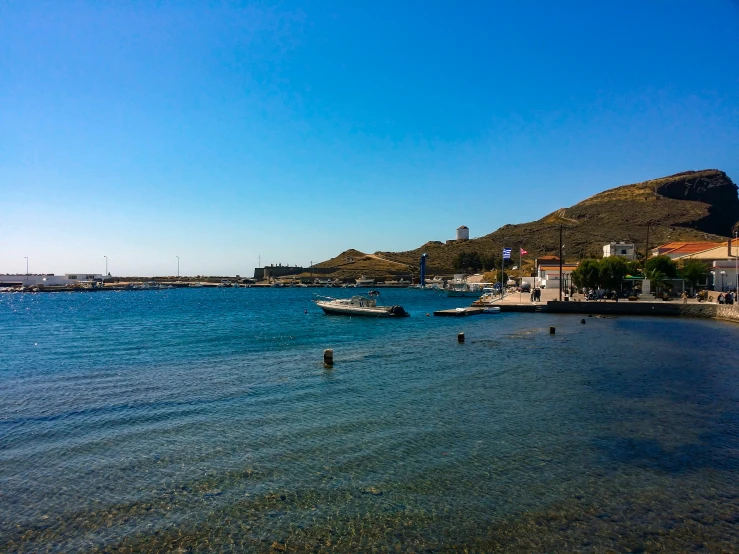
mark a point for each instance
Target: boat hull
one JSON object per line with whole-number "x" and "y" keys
{"x": 463, "y": 293}
{"x": 365, "y": 312}
{"x": 332, "y": 308}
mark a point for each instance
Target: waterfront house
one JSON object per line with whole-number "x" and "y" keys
{"x": 722, "y": 257}
{"x": 724, "y": 274}
{"x": 547, "y": 276}
{"x": 681, "y": 249}
{"x": 624, "y": 249}
{"x": 728, "y": 250}
{"x": 546, "y": 260}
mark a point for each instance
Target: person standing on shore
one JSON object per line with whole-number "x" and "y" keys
{"x": 685, "y": 297}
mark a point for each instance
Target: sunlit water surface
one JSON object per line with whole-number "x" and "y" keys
{"x": 204, "y": 420}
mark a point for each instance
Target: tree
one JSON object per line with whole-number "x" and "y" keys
{"x": 663, "y": 264}
{"x": 468, "y": 261}
{"x": 693, "y": 271}
{"x": 612, "y": 271}
{"x": 488, "y": 262}
{"x": 658, "y": 280}
{"x": 633, "y": 268}
{"x": 587, "y": 274}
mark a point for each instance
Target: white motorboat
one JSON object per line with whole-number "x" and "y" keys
{"x": 359, "y": 305}
{"x": 364, "y": 282}
{"x": 472, "y": 290}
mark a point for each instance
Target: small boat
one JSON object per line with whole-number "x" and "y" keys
{"x": 196, "y": 285}
{"x": 359, "y": 305}
{"x": 463, "y": 288}
{"x": 364, "y": 282}
{"x": 491, "y": 310}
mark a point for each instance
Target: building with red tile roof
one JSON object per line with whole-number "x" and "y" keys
{"x": 681, "y": 249}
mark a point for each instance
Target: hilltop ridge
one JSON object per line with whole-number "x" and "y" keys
{"x": 687, "y": 206}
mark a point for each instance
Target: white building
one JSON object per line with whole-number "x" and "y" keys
{"x": 50, "y": 280}
{"x": 623, "y": 249}
{"x": 548, "y": 275}
{"x": 463, "y": 233}
{"x": 724, "y": 275}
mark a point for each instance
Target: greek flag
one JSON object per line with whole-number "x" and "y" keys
{"x": 506, "y": 253}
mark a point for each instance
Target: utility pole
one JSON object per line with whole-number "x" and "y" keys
{"x": 560, "y": 263}
{"x": 178, "y": 266}
{"x": 646, "y": 250}
{"x": 106, "y": 266}
{"x": 520, "y": 263}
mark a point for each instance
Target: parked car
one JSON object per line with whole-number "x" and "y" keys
{"x": 524, "y": 287}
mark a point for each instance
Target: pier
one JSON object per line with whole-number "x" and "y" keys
{"x": 461, "y": 312}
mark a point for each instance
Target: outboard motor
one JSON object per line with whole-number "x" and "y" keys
{"x": 398, "y": 311}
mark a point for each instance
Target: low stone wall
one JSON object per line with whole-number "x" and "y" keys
{"x": 698, "y": 310}
{"x": 729, "y": 313}
{"x": 634, "y": 308}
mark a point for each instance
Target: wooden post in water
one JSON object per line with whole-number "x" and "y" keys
{"x": 460, "y": 338}
{"x": 328, "y": 357}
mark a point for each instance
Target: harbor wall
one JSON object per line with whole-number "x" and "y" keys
{"x": 261, "y": 273}
{"x": 728, "y": 312}
{"x": 635, "y": 308}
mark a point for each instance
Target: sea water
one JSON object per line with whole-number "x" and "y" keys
{"x": 204, "y": 420}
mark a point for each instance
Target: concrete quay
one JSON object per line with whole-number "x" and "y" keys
{"x": 550, "y": 303}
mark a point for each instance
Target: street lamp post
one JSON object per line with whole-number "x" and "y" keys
{"x": 178, "y": 266}
{"x": 106, "y": 266}
{"x": 26, "y": 257}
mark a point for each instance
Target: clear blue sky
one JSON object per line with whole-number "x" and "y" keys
{"x": 221, "y": 131}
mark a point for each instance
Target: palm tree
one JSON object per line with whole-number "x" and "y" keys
{"x": 658, "y": 280}
{"x": 694, "y": 271}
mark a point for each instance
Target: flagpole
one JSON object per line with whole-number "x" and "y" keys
{"x": 502, "y": 266}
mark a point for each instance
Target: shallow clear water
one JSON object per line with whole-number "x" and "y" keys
{"x": 203, "y": 419}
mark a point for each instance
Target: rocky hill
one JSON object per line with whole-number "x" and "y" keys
{"x": 693, "y": 205}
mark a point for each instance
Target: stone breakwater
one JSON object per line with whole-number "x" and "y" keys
{"x": 705, "y": 311}
{"x": 729, "y": 313}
